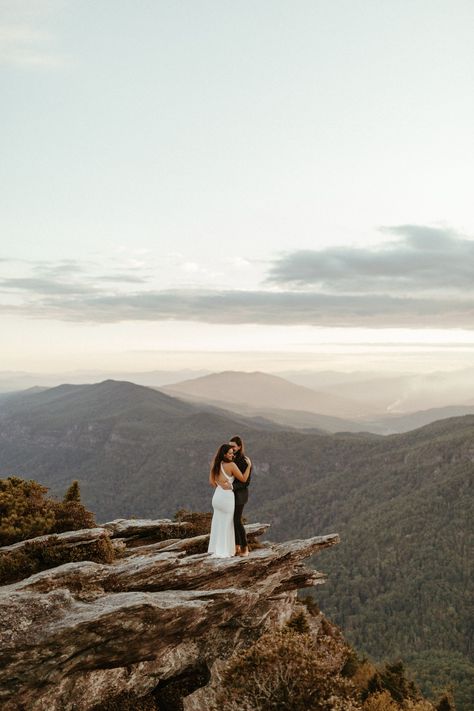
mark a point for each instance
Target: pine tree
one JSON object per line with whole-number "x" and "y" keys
{"x": 25, "y": 512}
{"x": 71, "y": 514}
{"x": 73, "y": 493}
{"x": 445, "y": 703}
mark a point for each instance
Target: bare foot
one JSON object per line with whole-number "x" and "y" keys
{"x": 244, "y": 552}
{"x": 237, "y": 550}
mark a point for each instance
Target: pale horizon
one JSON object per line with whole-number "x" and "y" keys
{"x": 220, "y": 183}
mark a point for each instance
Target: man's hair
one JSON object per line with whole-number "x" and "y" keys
{"x": 238, "y": 440}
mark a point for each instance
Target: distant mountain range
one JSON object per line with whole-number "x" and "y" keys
{"x": 267, "y": 401}
{"x": 399, "y": 393}
{"x": 289, "y": 405}
{"x": 402, "y": 504}
{"x": 347, "y": 395}
{"x": 260, "y": 391}
{"x": 11, "y": 381}
{"x": 404, "y": 423}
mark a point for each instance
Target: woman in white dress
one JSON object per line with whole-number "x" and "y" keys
{"x": 222, "y": 474}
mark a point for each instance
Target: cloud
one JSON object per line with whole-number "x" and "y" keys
{"x": 258, "y": 307}
{"x": 38, "y": 286}
{"x": 64, "y": 267}
{"x": 123, "y": 278}
{"x": 420, "y": 279}
{"x": 420, "y": 259}
{"x": 25, "y": 40}
{"x": 88, "y": 271}
{"x": 65, "y": 277}
{"x": 191, "y": 267}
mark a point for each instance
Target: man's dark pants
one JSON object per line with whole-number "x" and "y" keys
{"x": 241, "y": 498}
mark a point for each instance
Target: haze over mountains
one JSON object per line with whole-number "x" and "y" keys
{"x": 372, "y": 395}
{"x": 374, "y": 392}
{"x": 262, "y": 391}
{"x": 402, "y": 504}
{"x": 330, "y": 401}
{"x": 407, "y": 393}
{"x": 11, "y": 381}
{"x": 298, "y": 406}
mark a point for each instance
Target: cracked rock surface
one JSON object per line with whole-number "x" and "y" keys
{"x": 83, "y": 633}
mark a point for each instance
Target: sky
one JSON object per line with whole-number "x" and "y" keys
{"x": 250, "y": 185}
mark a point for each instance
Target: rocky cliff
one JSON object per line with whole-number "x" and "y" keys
{"x": 164, "y": 614}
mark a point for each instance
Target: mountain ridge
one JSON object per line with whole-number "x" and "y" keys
{"x": 269, "y": 390}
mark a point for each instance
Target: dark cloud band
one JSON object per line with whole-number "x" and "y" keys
{"x": 260, "y": 307}
{"x": 421, "y": 259}
{"x": 423, "y": 278}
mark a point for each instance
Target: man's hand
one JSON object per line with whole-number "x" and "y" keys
{"x": 227, "y": 485}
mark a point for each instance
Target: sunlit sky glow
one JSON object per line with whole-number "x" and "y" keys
{"x": 229, "y": 185}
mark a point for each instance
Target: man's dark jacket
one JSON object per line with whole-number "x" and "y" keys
{"x": 240, "y": 487}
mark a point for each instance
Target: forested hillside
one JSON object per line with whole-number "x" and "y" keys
{"x": 399, "y": 583}
{"x": 136, "y": 451}
{"x": 402, "y": 578}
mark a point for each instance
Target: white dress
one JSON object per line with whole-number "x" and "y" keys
{"x": 222, "y": 538}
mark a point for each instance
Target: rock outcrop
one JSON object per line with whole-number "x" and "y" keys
{"x": 82, "y": 634}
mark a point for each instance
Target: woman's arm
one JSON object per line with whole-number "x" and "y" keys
{"x": 235, "y": 471}
{"x": 212, "y": 481}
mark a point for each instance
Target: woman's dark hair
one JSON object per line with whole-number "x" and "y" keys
{"x": 216, "y": 464}
{"x": 238, "y": 440}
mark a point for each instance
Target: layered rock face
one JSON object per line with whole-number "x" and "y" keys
{"x": 81, "y": 635}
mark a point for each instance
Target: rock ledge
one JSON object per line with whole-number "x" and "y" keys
{"x": 83, "y": 633}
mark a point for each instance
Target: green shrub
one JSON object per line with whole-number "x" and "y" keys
{"x": 310, "y": 603}
{"x": 445, "y": 703}
{"x": 298, "y": 623}
{"x": 73, "y": 493}
{"x": 71, "y": 516}
{"x": 41, "y": 555}
{"x": 352, "y": 665}
{"x": 283, "y": 670}
{"x": 392, "y": 678}
{"x": 200, "y": 522}
{"x": 26, "y": 512}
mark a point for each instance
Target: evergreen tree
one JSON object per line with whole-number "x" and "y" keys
{"x": 73, "y": 493}
{"x": 298, "y": 623}
{"x": 392, "y": 678}
{"x": 25, "y": 512}
{"x": 71, "y": 514}
{"x": 445, "y": 703}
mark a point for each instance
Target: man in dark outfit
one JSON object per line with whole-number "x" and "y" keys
{"x": 241, "y": 496}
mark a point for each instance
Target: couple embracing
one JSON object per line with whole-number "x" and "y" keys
{"x": 230, "y": 476}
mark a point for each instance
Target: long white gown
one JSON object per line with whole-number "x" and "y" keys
{"x": 222, "y": 538}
